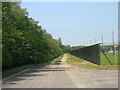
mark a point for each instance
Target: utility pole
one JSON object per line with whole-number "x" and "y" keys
{"x": 102, "y": 40}
{"x": 95, "y": 41}
{"x": 90, "y": 42}
{"x": 83, "y": 44}
{"x": 87, "y": 43}
{"x": 113, "y": 43}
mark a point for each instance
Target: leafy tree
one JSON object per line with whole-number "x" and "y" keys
{"x": 23, "y": 40}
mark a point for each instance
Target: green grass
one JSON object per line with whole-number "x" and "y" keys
{"x": 59, "y": 60}
{"x": 111, "y": 58}
{"x": 90, "y": 66}
{"x": 14, "y": 70}
{"x": 72, "y": 60}
{"x": 49, "y": 62}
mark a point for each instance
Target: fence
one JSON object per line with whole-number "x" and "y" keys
{"x": 90, "y": 53}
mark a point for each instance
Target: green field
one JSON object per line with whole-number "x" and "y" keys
{"x": 111, "y": 57}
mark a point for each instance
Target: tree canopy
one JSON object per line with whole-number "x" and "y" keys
{"x": 23, "y": 40}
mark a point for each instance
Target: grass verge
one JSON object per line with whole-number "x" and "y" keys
{"x": 105, "y": 67}
{"x": 72, "y": 59}
{"x": 14, "y": 70}
{"x": 17, "y": 69}
{"x": 80, "y": 62}
{"x": 59, "y": 60}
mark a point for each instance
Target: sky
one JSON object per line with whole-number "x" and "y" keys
{"x": 76, "y": 23}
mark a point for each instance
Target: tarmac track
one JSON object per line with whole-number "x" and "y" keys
{"x": 63, "y": 76}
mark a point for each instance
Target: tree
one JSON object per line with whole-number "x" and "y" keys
{"x": 24, "y": 41}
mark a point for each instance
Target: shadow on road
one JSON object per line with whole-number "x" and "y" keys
{"x": 36, "y": 72}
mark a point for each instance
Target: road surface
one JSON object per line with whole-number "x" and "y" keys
{"x": 63, "y": 76}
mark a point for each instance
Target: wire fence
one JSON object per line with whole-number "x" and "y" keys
{"x": 90, "y": 53}
{"x": 98, "y": 54}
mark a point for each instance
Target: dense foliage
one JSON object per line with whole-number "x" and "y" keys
{"x": 68, "y": 48}
{"x": 23, "y": 40}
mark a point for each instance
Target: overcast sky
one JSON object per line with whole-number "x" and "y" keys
{"x": 76, "y": 23}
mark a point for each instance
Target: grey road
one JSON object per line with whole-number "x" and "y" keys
{"x": 63, "y": 76}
